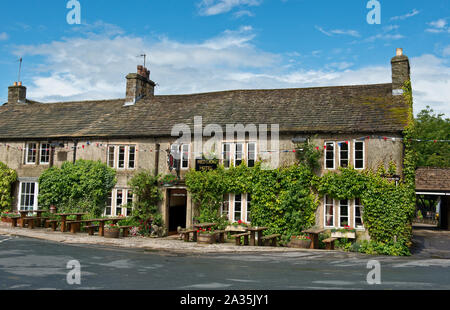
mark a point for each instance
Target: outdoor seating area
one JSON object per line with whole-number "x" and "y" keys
{"x": 64, "y": 223}
{"x": 204, "y": 233}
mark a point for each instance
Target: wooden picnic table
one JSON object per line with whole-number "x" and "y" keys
{"x": 314, "y": 235}
{"x": 76, "y": 228}
{"x": 24, "y": 213}
{"x": 64, "y": 216}
{"x": 256, "y": 231}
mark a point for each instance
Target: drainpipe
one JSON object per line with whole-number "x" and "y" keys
{"x": 75, "y": 145}
{"x": 158, "y": 147}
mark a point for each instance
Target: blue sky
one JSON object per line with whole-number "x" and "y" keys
{"x": 209, "y": 45}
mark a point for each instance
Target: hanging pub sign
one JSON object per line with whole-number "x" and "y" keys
{"x": 206, "y": 164}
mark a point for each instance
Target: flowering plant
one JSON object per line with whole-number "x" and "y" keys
{"x": 112, "y": 226}
{"x": 301, "y": 237}
{"x": 240, "y": 223}
{"x": 10, "y": 214}
{"x": 134, "y": 231}
{"x": 208, "y": 231}
{"x": 345, "y": 229}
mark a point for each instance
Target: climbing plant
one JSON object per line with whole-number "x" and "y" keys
{"x": 7, "y": 178}
{"x": 281, "y": 198}
{"x": 82, "y": 186}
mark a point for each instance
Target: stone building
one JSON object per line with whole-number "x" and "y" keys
{"x": 350, "y": 123}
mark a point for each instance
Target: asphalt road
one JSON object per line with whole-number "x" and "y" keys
{"x": 35, "y": 264}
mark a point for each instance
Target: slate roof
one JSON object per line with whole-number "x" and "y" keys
{"x": 433, "y": 179}
{"x": 342, "y": 109}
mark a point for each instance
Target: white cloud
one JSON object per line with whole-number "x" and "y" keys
{"x": 414, "y": 12}
{"x": 4, "y": 36}
{"x": 215, "y": 7}
{"x": 94, "y": 67}
{"x": 330, "y": 33}
{"x": 438, "y": 26}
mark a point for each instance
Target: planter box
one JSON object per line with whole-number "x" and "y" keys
{"x": 6, "y": 219}
{"x": 206, "y": 238}
{"x": 236, "y": 228}
{"x": 348, "y": 235}
{"x": 300, "y": 243}
{"x": 112, "y": 233}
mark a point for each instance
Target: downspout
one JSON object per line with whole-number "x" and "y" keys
{"x": 158, "y": 148}
{"x": 75, "y": 145}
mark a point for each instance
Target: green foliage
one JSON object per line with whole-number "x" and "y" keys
{"x": 80, "y": 187}
{"x": 309, "y": 154}
{"x": 281, "y": 198}
{"x": 431, "y": 126}
{"x": 145, "y": 186}
{"x": 384, "y": 248}
{"x": 7, "y": 178}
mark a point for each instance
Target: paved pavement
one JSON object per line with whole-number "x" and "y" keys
{"x": 37, "y": 264}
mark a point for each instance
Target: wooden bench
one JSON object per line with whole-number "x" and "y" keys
{"x": 221, "y": 235}
{"x": 14, "y": 221}
{"x": 329, "y": 243}
{"x": 238, "y": 238}
{"x": 42, "y": 221}
{"x": 52, "y": 223}
{"x": 91, "y": 228}
{"x": 125, "y": 230}
{"x": 270, "y": 240}
{"x": 185, "y": 234}
{"x": 29, "y": 221}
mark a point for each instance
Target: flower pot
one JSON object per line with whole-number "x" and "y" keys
{"x": 300, "y": 243}
{"x": 236, "y": 228}
{"x": 348, "y": 235}
{"x": 53, "y": 209}
{"x": 206, "y": 238}
{"x": 111, "y": 232}
{"x": 6, "y": 219}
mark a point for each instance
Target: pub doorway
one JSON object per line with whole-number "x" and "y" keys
{"x": 177, "y": 209}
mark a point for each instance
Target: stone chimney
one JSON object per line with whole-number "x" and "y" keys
{"x": 400, "y": 71}
{"x": 139, "y": 86}
{"x": 17, "y": 94}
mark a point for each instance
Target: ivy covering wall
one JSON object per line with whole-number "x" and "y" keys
{"x": 7, "y": 178}
{"x": 80, "y": 187}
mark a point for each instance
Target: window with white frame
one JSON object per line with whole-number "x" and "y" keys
{"x": 357, "y": 214}
{"x": 359, "y": 154}
{"x": 238, "y": 153}
{"x": 226, "y": 155}
{"x": 251, "y": 154}
{"x": 30, "y": 153}
{"x": 181, "y": 152}
{"x": 121, "y": 156}
{"x": 344, "y": 213}
{"x": 344, "y": 154}
{"x": 248, "y": 208}
{"x": 237, "y": 207}
{"x": 115, "y": 204}
{"x": 184, "y": 156}
{"x": 131, "y": 157}
{"x": 28, "y": 193}
{"x": 329, "y": 155}
{"x": 328, "y": 211}
{"x": 44, "y": 154}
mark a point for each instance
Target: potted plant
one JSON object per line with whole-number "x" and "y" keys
{"x": 168, "y": 180}
{"x": 300, "y": 241}
{"x": 346, "y": 232}
{"x": 111, "y": 231}
{"x": 53, "y": 209}
{"x": 6, "y": 216}
{"x": 206, "y": 236}
{"x": 237, "y": 226}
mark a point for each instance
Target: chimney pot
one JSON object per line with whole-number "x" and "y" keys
{"x": 399, "y": 51}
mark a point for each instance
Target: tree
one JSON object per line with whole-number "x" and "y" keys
{"x": 81, "y": 187}
{"x": 433, "y": 127}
